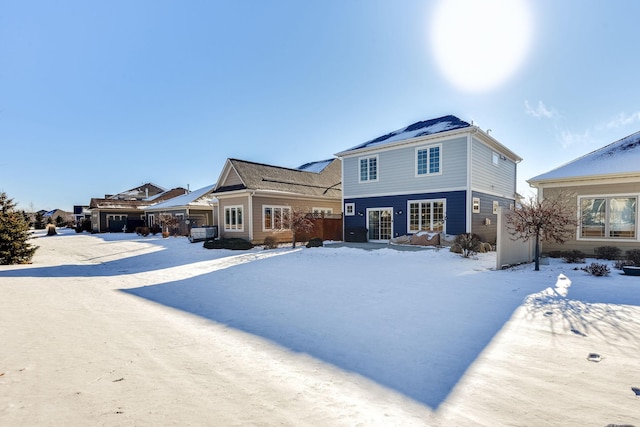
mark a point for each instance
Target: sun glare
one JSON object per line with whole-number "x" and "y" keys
{"x": 480, "y": 44}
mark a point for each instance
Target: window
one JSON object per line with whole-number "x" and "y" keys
{"x": 496, "y": 206}
{"x": 476, "y": 205}
{"x": 368, "y": 169}
{"x": 428, "y": 160}
{"x": 276, "y": 218}
{"x": 349, "y": 209}
{"x": 233, "y": 218}
{"x": 495, "y": 159}
{"x": 321, "y": 212}
{"x": 608, "y": 217}
{"x": 426, "y": 215}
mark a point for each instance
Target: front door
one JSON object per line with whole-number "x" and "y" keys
{"x": 380, "y": 224}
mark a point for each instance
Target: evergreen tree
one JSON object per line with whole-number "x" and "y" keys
{"x": 39, "y": 222}
{"x": 14, "y": 234}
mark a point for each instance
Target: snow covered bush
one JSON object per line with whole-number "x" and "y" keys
{"x": 468, "y": 244}
{"x": 596, "y": 269}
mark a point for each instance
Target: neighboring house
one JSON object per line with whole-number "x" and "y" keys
{"x": 604, "y": 186}
{"x": 442, "y": 174}
{"x": 195, "y": 209}
{"x": 54, "y": 214}
{"x": 254, "y": 198}
{"x": 125, "y": 211}
{"x": 80, "y": 213}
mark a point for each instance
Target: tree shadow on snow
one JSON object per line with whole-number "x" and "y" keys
{"x": 401, "y": 331}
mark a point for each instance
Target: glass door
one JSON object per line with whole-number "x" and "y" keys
{"x": 380, "y": 224}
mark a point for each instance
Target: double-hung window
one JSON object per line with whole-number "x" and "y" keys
{"x": 368, "y": 169}
{"x": 275, "y": 218}
{"x": 426, "y": 215}
{"x": 233, "y": 218}
{"x": 608, "y": 217}
{"x": 429, "y": 160}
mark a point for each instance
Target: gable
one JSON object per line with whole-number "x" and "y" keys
{"x": 258, "y": 176}
{"x": 620, "y": 158}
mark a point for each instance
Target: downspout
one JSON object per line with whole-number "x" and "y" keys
{"x": 469, "y": 210}
{"x": 250, "y": 219}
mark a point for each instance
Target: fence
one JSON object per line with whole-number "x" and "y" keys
{"x": 326, "y": 228}
{"x": 509, "y": 251}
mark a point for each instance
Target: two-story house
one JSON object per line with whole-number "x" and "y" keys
{"x": 443, "y": 174}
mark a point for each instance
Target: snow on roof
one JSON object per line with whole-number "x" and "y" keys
{"x": 316, "y": 167}
{"x": 620, "y": 157}
{"x": 185, "y": 199}
{"x": 423, "y": 128}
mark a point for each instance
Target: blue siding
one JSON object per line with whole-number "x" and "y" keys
{"x": 456, "y": 213}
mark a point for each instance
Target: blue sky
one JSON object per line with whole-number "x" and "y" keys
{"x": 99, "y": 97}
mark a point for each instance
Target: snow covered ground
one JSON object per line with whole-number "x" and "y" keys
{"x": 117, "y": 329}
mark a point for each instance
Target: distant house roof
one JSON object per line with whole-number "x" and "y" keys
{"x": 138, "y": 193}
{"x": 418, "y": 129}
{"x": 618, "y": 158}
{"x": 258, "y": 176}
{"x": 97, "y": 203}
{"x": 316, "y": 167}
{"x": 196, "y": 197}
{"x": 135, "y": 204}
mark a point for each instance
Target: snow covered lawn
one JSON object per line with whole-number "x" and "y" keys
{"x": 117, "y": 329}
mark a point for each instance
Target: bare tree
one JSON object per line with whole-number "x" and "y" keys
{"x": 299, "y": 220}
{"x": 552, "y": 219}
{"x": 168, "y": 221}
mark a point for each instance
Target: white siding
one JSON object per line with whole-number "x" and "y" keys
{"x": 397, "y": 171}
{"x": 487, "y": 178}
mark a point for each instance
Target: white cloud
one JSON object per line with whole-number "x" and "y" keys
{"x": 568, "y": 138}
{"x": 623, "y": 120}
{"x": 540, "y": 111}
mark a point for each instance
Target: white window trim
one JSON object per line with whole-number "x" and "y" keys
{"x": 427, "y": 147}
{"x": 607, "y": 238}
{"x": 227, "y": 227}
{"x": 272, "y": 229}
{"x": 349, "y": 209}
{"x": 475, "y": 205}
{"x": 360, "y": 180}
{"x": 496, "y": 206}
{"x": 444, "y": 212}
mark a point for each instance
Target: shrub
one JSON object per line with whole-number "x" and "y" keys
{"x": 142, "y": 231}
{"x": 621, "y": 263}
{"x": 233, "y": 244}
{"x": 455, "y": 248}
{"x": 469, "y": 243}
{"x": 633, "y": 255}
{"x": 573, "y": 256}
{"x": 315, "y": 243}
{"x": 607, "y": 252}
{"x": 596, "y": 269}
{"x": 51, "y": 230}
{"x": 556, "y": 254}
{"x": 270, "y": 242}
{"x": 155, "y": 229}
